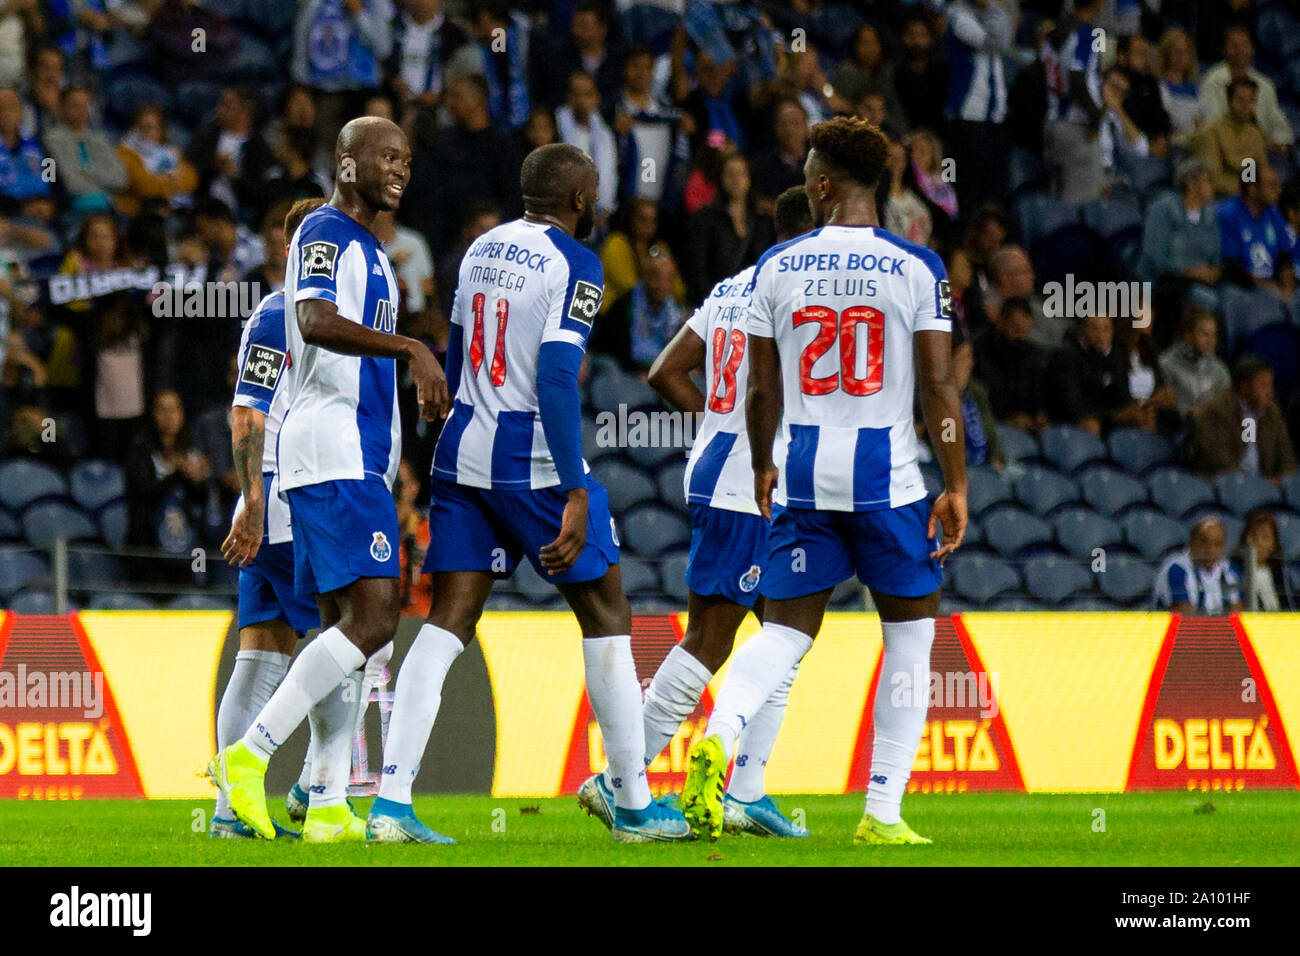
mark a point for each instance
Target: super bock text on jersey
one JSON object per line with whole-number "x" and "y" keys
{"x": 340, "y": 443}
{"x": 527, "y": 291}
{"x": 842, "y": 304}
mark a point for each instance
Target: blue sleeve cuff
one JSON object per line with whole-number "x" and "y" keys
{"x": 451, "y": 363}
{"x": 559, "y": 403}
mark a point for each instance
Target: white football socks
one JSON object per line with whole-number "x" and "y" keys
{"x": 256, "y": 676}
{"x": 757, "y": 669}
{"x": 672, "y": 695}
{"x": 415, "y": 707}
{"x": 321, "y": 667}
{"x": 756, "y": 742}
{"x": 374, "y": 669}
{"x": 332, "y": 720}
{"x": 615, "y": 698}
{"x": 898, "y": 727}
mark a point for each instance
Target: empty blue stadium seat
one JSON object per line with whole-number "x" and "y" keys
{"x": 669, "y": 446}
{"x": 1012, "y": 531}
{"x": 120, "y": 601}
{"x": 201, "y": 602}
{"x": 1178, "y": 492}
{"x": 1088, "y": 604}
{"x": 1018, "y": 445}
{"x": 1013, "y": 602}
{"x": 22, "y": 482}
{"x": 1069, "y": 448}
{"x": 974, "y": 533}
{"x": 19, "y": 568}
{"x": 651, "y": 530}
{"x": 1109, "y": 215}
{"x": 1137, "y": 450}
{"x": 639, "y": 577}
{"x": 932, "y": 476}
{"x": 672, "y": 576}
{"x": 592, "y": 449}
{"x": 1043, "y": 489}
{"x": 1052, "y": 579}
{"x": 114, "y": 523}
{"x": 980, "y": 579}
{"x": 1073, "y": 249}
{"x": 626, "y": 485}
{"x": 1245, "y": 311}
{"x": 1041, "y": 214}
{"x": 1291, "y": 491}
{"x": 615, "y": 387}
{"x": 1110, "y": 491}
{"x": 1080, "y": 531}
{"x": 93, "y": 571}
{"x": 532, "y": 586}
{"x": 47, "y": 521}
{"x": 1242, "y": 494}
{"x": 32, "y": 602}
{"x": 986, "y": 487}
{"x": 94, "y": 484}
{"x": 1288, "y": 532}
{"x": 1279, "y": 345}
{"x": 672, "y": 490}
{"x": 1152, "y": 533}
{"x": 10, "y": 529}
{"x": 1127, "y": 581}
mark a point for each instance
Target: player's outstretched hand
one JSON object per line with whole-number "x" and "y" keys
{"x": 950, "y": 510}
{"x": 764, "y": 484}
{"x": 430, "y": 384}
{"x": 245, "y": 538}
{"x": 561, "y": 553}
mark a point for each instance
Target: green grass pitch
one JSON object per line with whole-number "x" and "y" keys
{"x": 1141, "y": 829}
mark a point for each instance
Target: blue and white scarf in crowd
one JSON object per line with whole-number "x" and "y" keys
{"x": 336, "y": 57}
{"x": 509, "y": 104}
{"x": 157, "y": 157}
{"x": 650, "y": 329}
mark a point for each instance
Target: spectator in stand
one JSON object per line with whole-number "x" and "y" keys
{"x": 1241, "y": 429}
{"x": 413, "y": 264}
{"x": 85, "y": 158}
{"x": 1264, "y": 579}
{"x": 1089, "y": 379}
{"x": 934, "y": 182}
{"x": 413, "y": 526}
{"x": 269, "y": 276}
{"x": 539, "y": 131}
{"x": 801, "y": 75}
{"x": 920, "y": 78}
{"x": 338, "y": 48}
{"x": 98, "y": 247}
{"x": 1120, "y": 140}
{"x": 1142, "y": 102}
{"x": 1191, "y": 365}
{"x": 580, "y": 124}
{"x": 905, "y": 213}
{"x": 587, "y": 49}
{"x": 1253, "y": 230}
{"x": 642, "y": 322}
{"x": 1011, "y": 367}
{"x": 429, "y": 52}
{"x": 24, "y": 188}
{"x": 1227, "y": 142}
{"x": 979, "y": 33}
{"x": 1180, "y": 242}
{"x": 728, "y": 234}
{"x": 295, "y": 178}
{"x": 480, "y": 216}
{"x": 1011, "y": 276}
{"x": 1176, "y": 69}
{"x": 452, "y": 165}
{"x": 212, "y": 440}
{"x": 983, "y": 446}
{"x": 505, "y": 42}
{"x": 629, "y": 247}
{"x": 155, "y": 169}
{"x": 1199, "y": 579}
{"x": 780, "y": 166}
{"x": 1071, "y": 144}
{"x": 18, "y": 18}
{"x": 865, "y": 70}
{"x": 1146, "y": 381}
{"x": 649, "y": 131}
{"x": 985, "y": 234}
{"x": 233, "y": 249}
{"x": 166, "y": 480}
{"x": 231, "y": 156}
{"x": 44, "y": 91}
{"x": 715, "y": 104}
{"x": 871, "y": 107}
{"x": 1238, "y": 51}
{"x": 297, "y": 108}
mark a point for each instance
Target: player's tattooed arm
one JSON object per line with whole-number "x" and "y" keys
{"x": 247, "y": 438}
{"x": 941, "y": 406}
{"x": 320, "y": 324}
{"x": 670, "y": 375}
{"x": 763, "y": 402}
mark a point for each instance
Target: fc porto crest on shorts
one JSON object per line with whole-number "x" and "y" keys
{"x": 380, "y": 549}
{"x": 749, "y": 580}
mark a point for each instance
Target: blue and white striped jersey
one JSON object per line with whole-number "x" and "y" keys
{"x": 843, "y": 303}
{"x": 1079, "y": 52}
{"x": 1181, "y": 580}
{"x": 977, "y": 87}
{"x": 343, "y": 421}
{"x": 521, "y": 284}
{"x": 719, "y": 472}
{"x": 263, "y": 361}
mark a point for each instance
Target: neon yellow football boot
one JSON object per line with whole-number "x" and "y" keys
{"x": 241, "y": 776}
{"x": 703, "y": 791}
{"x": 872, "y": 832}
{"x": 336, "y": 824}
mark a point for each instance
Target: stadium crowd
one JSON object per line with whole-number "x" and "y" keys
{"x": 1105, "y": 146}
